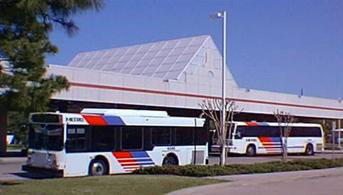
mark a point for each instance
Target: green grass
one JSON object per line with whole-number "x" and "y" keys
{"x": 116, "y": 184}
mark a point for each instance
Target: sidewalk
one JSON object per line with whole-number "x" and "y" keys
{"x": 5, "y": 160}
{"x": 331, "y": 151}
{"x": 314, "y": 182}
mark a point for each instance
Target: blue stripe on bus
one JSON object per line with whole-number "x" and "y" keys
{"x": 275, "y": 139}
{"x": 114, "y": 120}
{"x": 262, "y": 124}
{"x": 295, "y": 146}
{"x": 141, "y": 154}
{"x": 143, "y": 160}
{"x": 280, "y": 147}
{"x": 149, "y": 163}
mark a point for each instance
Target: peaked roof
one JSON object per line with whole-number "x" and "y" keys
{"x": 163, "y": 59}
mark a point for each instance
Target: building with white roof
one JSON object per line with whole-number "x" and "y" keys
{"x": 175, "y": 74}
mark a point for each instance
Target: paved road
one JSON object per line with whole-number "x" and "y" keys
{"x": 10, "y": 168}
{"x": 314, "y": 182}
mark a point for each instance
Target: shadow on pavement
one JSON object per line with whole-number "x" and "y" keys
{"x": 26, "y": 175}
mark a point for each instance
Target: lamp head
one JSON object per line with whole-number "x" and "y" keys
{"x": 217, "y": 15}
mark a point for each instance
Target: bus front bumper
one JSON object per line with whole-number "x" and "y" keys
{"x": 43, "y": 171}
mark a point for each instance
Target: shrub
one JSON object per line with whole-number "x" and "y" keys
{"x": 268, "y": 167}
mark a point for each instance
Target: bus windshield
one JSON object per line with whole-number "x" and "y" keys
{"x": 46, "y": 137}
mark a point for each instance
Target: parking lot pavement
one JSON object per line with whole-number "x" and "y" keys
{"x": 314, "y": 182}
{"x": 5, "y": 160}
{"x": 10, "y": 168}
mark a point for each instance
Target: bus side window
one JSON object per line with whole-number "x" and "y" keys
{"x": 305, "y": 132}
{"x": 161, "y": 136}
{"x": 132, "y": 138}
{"x": 184, "y": 136}
{"x": 232, "y": 126}
{"x": 274, "y": 131}
{"x": 239, "y": 132}
{"x": 103, "y": 138}
{"x": 201, "y": 136}
{"x": 76, "y": 138}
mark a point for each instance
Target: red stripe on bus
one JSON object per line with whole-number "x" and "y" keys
{"x": 95, "y": 120}
{"x": 130, "y": 165}
{"x": 125, "y": 159}
{"x": 264, "y": 141}
{"x": 120, "y": 155}
{"x": 251, "y": 123}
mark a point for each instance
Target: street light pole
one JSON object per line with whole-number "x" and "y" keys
{"x": 223, "y": 74}
{"x": 222, "y": 15}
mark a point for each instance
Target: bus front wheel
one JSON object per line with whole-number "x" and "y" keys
{"x": 309, "y": 150}
{"x": 251, "y": 151}
{"x": 97, "y": 167}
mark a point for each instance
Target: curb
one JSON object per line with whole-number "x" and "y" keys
{"x": 331, "y": 152}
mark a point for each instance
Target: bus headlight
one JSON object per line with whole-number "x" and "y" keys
{"x": 29, "y": 159}
{"x": 229, "y": 142}
{"x": 52, "y": 161}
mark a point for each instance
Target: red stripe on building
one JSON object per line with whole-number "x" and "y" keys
{"x": 199, "y": 96}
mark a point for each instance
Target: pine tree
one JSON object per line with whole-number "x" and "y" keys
{"x": 24, "y": 45}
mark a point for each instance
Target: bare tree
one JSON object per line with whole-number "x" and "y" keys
{"x": 211, "y": 108}
{"x": 284, "y": 119}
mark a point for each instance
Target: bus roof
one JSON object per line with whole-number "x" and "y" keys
{"x": 276, "y": 124}
{"x": 125, "y": 112}
{"x": 118, "y": 117}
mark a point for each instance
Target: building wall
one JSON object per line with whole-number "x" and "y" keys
{"x": 97, "y": 86}
{"x": 200, "y": 80}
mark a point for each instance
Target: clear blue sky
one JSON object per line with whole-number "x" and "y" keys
{"x": 274, "y": 45}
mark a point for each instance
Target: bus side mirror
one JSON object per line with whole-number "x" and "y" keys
{"x": 238, "y": 135}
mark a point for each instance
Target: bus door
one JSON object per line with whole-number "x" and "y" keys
{"x": 77, "y": 160}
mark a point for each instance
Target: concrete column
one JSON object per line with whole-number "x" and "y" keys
{"x": 339, "y": 124}
{"x": 3, "y": 133}
{"x": 339, "y": 133}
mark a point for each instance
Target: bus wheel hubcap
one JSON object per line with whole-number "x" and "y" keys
{"x": 98, "y": 169}
{"x": 251, "y": 151}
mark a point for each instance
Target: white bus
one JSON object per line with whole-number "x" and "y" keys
{"x": 109, "y": 141}
{"x": 253, "y": 138}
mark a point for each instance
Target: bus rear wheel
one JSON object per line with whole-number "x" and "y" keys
{"x": 98, "y": 167}
{"x": 251, "y": 151}
{"x": 309, "y": 150}
{"x": 170, "y": 160}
